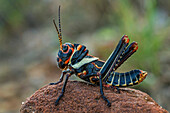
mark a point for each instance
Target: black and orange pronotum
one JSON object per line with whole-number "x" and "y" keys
{"x": 74, "y": 59}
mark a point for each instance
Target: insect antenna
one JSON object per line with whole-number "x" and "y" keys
{"x": 58, "y": 31}
{"x": 59, "y": 22}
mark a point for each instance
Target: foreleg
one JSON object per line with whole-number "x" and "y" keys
{"x": 63, "y": 90}
{"x": 61, "y": 77}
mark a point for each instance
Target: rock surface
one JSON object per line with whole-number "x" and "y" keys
{"x": 81, "y": 97}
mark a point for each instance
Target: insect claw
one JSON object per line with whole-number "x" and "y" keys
{"x": 118, "y": 90}
{"x": 56, "y": 103}
{"x": 109, "y": 104}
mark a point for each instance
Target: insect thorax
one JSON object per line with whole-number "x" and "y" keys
{"x": 80, "y": 57}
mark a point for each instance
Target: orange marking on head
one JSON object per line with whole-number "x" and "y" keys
{"x": 79, "y": 47}
{"x": 67, "y": 49}
{"x": 67, "y": 61}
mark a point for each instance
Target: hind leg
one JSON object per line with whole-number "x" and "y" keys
{"x": 102, "y": 93}
{"x": 109, "y": 65}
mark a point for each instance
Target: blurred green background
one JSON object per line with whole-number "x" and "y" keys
{"x": 29, "y": 42}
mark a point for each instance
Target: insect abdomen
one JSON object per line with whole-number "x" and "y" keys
{"x": 125, "y": 79}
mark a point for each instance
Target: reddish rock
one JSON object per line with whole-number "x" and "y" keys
{"x": 81, "y": 97}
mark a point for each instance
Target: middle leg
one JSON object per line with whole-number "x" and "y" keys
{"x": 61, "y": 77}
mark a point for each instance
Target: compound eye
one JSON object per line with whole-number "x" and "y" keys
{"x": 65, "y": 48}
